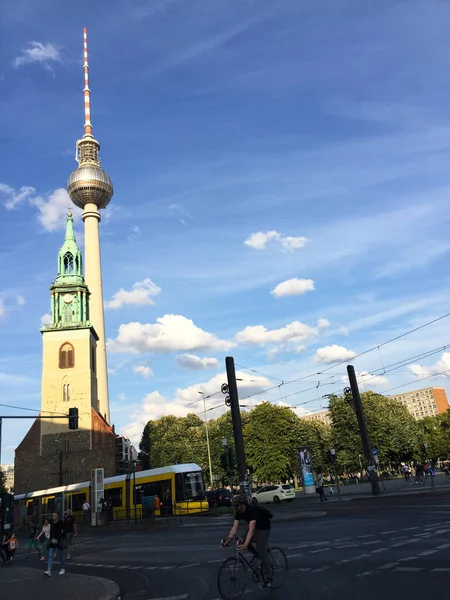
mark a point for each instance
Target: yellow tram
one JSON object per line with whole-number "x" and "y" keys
{"x": 179, "y": 488}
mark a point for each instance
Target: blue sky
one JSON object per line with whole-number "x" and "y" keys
{"x": 281, "y": 174}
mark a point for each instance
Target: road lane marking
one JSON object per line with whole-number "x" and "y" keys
{"x": 342, "y": 539}
{"x": 423, "y": 534}
{"x": 439, "y": 531}
{"x": 124, "y": 567}
{"x": 320, "y": 569}
{"x": 408, "y": 569}
{"x": 378, "y": 550}
{"x": 304, "y": 569}
{"x": 216, "y": 561}
{"x": 407, "y": 558}
{"x": 388, "y": 532}
{"x": 366, "y": 536}
{"x": 361, "y": 556}
{"x": 365, "y": 574}
{"x": 443, "y": 546}
{"x": 347, "y": 546}
{"x": 166, "y": 568}
{"x": 372, "y": 542}
{"x": 342, "y": 562}
{"x": 320, "y": 550}
{"x": 294, "y": 555}
{"x": 398, "y": 545}
{"x": 320, "y": 543}
{"x": 191, "y": 565}
{"x": 134, "y": 568}
{"x": 388, "y": 566}
{"x": 400, "y": 537}
{"x": 441, "y": 569}
{"x": 150, "y": 568}
{"x": 297, "y": 547}
{"x": 427, "y": 552}
{"x": 409, "y": 528}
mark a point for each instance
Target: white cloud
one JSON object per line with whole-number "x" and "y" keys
{"x": 293, "y": 287}
{"x": 368, "y": 380}
{"x": 443, "y": 364}
{"x": 195, "y": 363}
{"x": 258, "y": 240}
{"x": 46, "y": 319}
{"x": 334, "y": 353}
{"x": 52, "y": 212}
{"x": 13, "y": 198}
{"x": 143, "y": 370}
{"x": 169, "y": 333}
{"x": 188, "y": 400}
{"x": 37, "y": 52}
{"x": 141, "y": 294}
{"x": 21, "y": 300}
{"x": 293, "y": 332}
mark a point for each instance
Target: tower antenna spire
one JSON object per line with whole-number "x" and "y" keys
{"x": 87, "y": 91}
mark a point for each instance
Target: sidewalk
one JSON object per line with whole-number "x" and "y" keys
{"x": 18, "y": 583}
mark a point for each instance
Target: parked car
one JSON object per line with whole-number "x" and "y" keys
{"x": 274, "y": 493}
{"x": 219, "y": 497}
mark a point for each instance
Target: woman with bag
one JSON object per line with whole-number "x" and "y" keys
{"x": 44, "y": 539}
{"x": 320, "y": 483}
{"x": 57, "y": 543}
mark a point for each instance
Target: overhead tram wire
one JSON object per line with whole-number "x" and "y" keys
{"x": 394, "y": 339}
{"x": 415, "y": 381}
{"x": 50, "y": 412}
{"x": 258, "y": 373}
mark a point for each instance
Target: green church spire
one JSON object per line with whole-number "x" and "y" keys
{"x": 69, "y": 292}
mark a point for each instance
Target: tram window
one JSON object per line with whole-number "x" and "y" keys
{"x": 115, "y": 494}
{"x": 162, "y": 489}
{"x": 76, "y": 501}
{"x": 179, "y": 487}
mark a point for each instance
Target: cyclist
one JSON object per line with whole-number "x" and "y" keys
{"x": 258, "y": 520}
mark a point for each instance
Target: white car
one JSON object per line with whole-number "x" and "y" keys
{"x": 274, "y": 493}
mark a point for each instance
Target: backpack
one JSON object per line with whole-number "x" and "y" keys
{"x": 265, "y": 512}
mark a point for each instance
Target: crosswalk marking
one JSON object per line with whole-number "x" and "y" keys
{"x": 388, "y": 566}
{"x": 427, "y": 552}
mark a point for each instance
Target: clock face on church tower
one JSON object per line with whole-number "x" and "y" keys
{"x": 68, "y": 298}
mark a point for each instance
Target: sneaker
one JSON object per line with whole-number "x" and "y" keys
{"x": 62, "y": 572}
{"x": 268, "y": 585}
{"x": 48, "y": 573}
{"x": 42, "y": 558}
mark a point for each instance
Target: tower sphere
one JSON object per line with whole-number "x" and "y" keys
{"x": 90, "y": 184}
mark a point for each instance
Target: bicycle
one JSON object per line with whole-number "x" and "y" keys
{"x": 420, "y": 479}
{"x": 234, "y": 571}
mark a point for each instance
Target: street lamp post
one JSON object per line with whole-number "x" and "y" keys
{"x": 207, "y": 439}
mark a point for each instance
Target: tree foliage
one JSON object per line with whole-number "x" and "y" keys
{"x": 2, "y": 482}
{"x": 392, "y": 430}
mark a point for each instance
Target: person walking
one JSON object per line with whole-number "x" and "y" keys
{"x": 86, "y": 513}
{"x": 13, "y": 545}
{"x": 4, "y": 551}
{"x": 33, "y": 541}
{"x": 70, "y": 530}
{"x": 320, "y": 486}
{"x": 57, "y": 544}
{"x": 44, "y": 539}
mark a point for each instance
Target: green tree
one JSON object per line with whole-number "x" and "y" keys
{"x": 144, "y": 455}
{"x": 2, "y": 482}
{"x": 392, "y": 430}
{"x": 271, "y": 442}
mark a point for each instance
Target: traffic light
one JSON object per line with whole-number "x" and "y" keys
{"x": 224, "y": 461}
{"x": 423, "y": 447}
{"x": 73, "y": 418}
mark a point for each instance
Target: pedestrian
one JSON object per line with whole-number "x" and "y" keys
{"x": 320, "y": 486}
{"x": 13, "y": 545}
{"x": 57, "y": 544}
{"x": 70, "y": 530}
{"x": 406, "y": 472}
{"x": 4, "y": 550}
{"x": 33, "y": 541}
{"x": 86, "y": 513}
{"x": 44, "y": 539}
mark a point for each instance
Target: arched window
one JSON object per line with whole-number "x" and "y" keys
{"x": 68, "y": 263}
{"x": 66, "y": 356}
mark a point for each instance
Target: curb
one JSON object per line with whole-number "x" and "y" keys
{"x": 112, "y": 589}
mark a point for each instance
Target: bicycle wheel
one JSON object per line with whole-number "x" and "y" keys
{"x": 232, "y": 578}
{"x": 421, "y": 480}
{"x": 279, "y": 562}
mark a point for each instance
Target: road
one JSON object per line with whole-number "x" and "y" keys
{"x": 389, "y": 547}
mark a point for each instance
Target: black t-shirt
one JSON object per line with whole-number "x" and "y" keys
{"x": 69, "y": 521}
{"x": 254, "y": 513}
{"x": 56, "y": 532}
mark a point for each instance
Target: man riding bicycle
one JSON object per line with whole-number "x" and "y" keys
{"x": 258, "y": 529}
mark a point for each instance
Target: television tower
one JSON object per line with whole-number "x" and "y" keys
{"x": 91, "y": 189}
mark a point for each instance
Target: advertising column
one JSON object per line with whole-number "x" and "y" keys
{"x": 97, "y": 494}
{"x": 304, "y": 459}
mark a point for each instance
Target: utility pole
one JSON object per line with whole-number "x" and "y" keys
{"x": 371, "y": 468}
{"x": 207, "y": 441}
{"x": 232, "y": 400}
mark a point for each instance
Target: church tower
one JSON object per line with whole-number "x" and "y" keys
{"x": 69, "y": 345}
